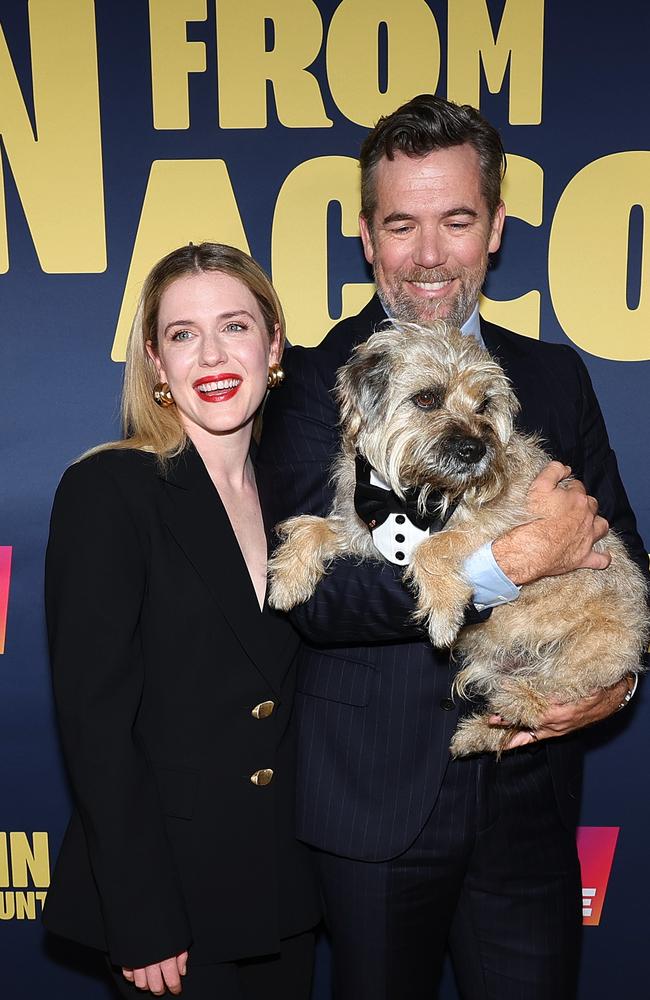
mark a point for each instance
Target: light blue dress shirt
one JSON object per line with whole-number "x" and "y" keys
{"x": 491, "y": 586}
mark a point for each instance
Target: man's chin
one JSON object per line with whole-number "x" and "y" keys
{"x": 415, "y": 309}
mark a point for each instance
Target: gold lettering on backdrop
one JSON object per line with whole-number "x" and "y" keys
{"x": 245, "y": 65}
{"x": 300, "y": 251}
{"x": 4, "y": 860}
{"x": 25, "y": 906}
{"x": 173, "y": 58}
{"x": 523, "y": 193}
{"x": 21, "y": 905}
{"x": 352, "y": 56}
{"x": 59, "y": 173}
{"x": 519, "y": 43}
{"x": 588, "y": 257}
{"x": 185, "y": 200}
{"x": 29, "y": 859}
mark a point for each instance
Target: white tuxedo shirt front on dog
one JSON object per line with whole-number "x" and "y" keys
{"x": 397, "y": 536}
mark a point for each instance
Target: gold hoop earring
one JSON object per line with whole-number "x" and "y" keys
{"x": 162, "y": 394}
{"x": 276, "y": 376}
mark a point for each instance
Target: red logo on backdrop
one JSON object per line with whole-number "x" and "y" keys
{"x": 5, "y": 575}
{"x": 596, "y": 847}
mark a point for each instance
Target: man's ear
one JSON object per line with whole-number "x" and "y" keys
{"x": 366, "y": 238}
{"x": 497, "y": 227}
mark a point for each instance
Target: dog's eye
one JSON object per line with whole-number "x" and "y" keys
{"x": 426, "y": 400}
{"x": 483, "y": 406}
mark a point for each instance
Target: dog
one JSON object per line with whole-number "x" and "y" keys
{"x": 431, "y": 414}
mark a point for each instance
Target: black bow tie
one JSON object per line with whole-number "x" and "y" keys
{"x": 374, "y": 504}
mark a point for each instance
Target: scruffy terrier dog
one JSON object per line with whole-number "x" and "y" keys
{"x": 432, "y": 414}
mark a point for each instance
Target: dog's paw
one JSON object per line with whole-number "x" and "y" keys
{"x": 298, "y": 564}
{"x": 474, "y": 735}
{"x": 282, "y": 593}
{"x": 442, "y": 630}
{"x": 466, "y": 740}
{"x": 291, "y": 581}
{"x": 441, "y": 597}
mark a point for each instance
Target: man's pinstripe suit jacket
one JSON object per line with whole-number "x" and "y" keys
{"x": 374, "y": 697}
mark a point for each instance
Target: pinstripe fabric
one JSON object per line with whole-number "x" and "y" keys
{"x": 374, "y": 737}
{"x": 372, "y": 746}
{"x": 373, "y": 701}
{"x": 517, "y": 925}
{"x": 486, "y": 868}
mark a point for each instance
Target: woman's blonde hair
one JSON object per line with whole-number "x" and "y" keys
{"x": 145, "y": 424}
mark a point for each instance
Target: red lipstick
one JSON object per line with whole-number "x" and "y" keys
{"x": 223, "y": 386}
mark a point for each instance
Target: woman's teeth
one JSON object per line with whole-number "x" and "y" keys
{"x": 225, "y": 383}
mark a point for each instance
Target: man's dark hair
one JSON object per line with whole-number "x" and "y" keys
{"x": 422, "y": 125}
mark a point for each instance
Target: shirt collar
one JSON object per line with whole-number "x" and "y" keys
{"x": 472, "y": 327}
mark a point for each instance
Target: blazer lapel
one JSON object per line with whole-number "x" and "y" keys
{"x": 198, "y": 521}
{"x": 492, "y": 341}
{"x": 541, "y": 413}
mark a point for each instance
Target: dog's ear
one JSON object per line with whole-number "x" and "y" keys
{"x": 362, "y": 387}
{"x": 505, "y": 408}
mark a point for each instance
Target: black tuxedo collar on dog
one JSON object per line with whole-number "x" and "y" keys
{"x": 374, "y": 504}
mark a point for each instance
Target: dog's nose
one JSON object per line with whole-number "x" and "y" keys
{"x": 469, "y": 450}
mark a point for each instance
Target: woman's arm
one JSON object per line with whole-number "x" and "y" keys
{"x": 94, "y": 587}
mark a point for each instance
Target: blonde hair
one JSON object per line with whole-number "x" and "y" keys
{"x": 146, "y": 425}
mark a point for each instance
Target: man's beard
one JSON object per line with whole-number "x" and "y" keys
{"x": 400, "y": 305}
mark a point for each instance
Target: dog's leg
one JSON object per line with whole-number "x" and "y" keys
{"x": 517, "y": 702}
{"x": 520, "y": 703}
{"x": 474, "y": 735}
{"x": 309, "y": 544}
{"x": 440, "y": 588}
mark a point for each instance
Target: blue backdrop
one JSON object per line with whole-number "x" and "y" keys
{"x": 130, "y": 127}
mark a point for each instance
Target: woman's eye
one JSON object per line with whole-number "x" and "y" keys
{"x": 182, "y": 335}
{"x": 426, "y": 400}
{"x": 235, "y": 327}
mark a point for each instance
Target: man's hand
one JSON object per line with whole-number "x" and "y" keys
{"x": 160, "y": 975}
{"x": 560, "y": 536}
{"x": 563, "y": 719}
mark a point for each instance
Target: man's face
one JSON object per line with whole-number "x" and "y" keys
{"x": 430, "y": 236}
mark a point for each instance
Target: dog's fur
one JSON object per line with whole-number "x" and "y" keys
{"x": 408, "y": 396}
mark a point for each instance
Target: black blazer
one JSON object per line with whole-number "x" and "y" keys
{"x": 375, "y": 708}
{"x": 159, "y": 654}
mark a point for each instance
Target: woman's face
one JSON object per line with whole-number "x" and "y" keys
{"x": 214, "y": 351}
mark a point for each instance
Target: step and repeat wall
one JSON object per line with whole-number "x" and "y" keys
{"x": 129, "y": 128}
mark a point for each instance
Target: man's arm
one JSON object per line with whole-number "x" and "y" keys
{"x": 601, "y": 477}
{"x": 561, "y": 537}
{"x": 360, "y": 602}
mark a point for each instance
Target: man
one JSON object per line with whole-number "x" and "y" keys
{"x": 415, "y": 850}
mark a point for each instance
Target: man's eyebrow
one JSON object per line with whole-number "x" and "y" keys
{"x": 406, "y": 217}
{"x": 460, "y": 210}
{"x": 396, "y": 217}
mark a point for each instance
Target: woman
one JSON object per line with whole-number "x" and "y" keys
{"x": 173, "y": 680}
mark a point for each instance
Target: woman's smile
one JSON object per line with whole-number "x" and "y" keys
{"x": 217, "y": 388}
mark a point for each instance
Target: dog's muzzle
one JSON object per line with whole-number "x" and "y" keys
{"x": 468, "y": 450}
